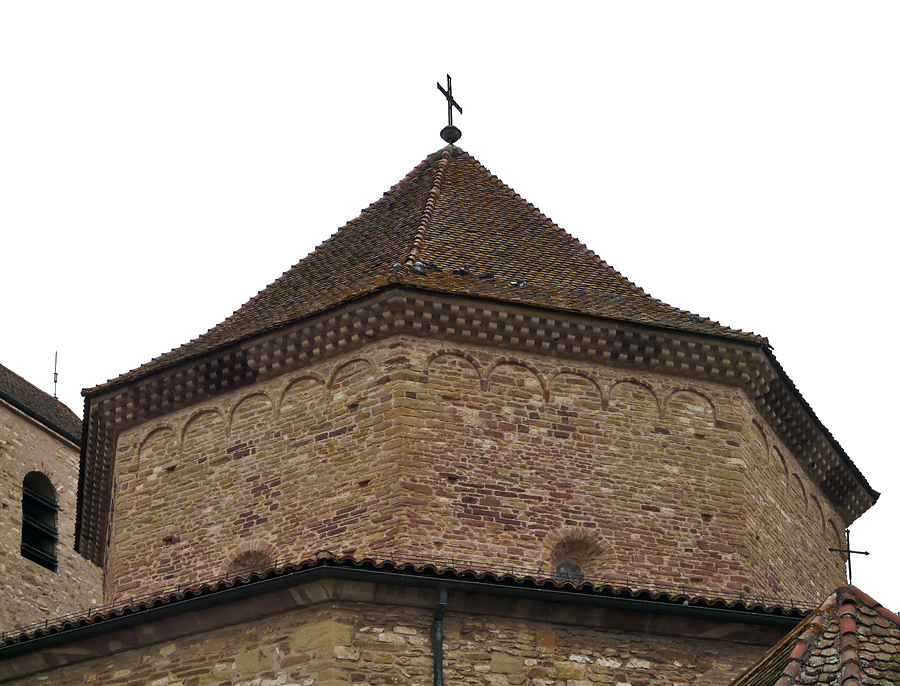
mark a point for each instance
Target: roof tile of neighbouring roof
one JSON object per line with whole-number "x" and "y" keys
{"x": 850, "y": 640}
{"x": 449, "y": 226}
{"x": 46, "y": 409}
{"x": 520, "y": 578}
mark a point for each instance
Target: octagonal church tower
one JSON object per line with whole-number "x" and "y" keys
{"x": 452, "y": 378}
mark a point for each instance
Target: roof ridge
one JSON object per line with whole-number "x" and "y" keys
{"x": 875, "y": 605}
{"x": 851, "y": 667}
{"x": 782, "y": 664}
{"x": 434, "y": 195}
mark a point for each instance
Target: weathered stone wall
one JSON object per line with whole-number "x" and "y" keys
{"x": 355, "y": 643}
{"x": 654, "y": 478}
{"x": 31, "y": 592}
{"x": 635, "y": 476}
{"x": 790, "y": 523}
{"x": 282, "y": 470}
{"x": 476, "y": 456}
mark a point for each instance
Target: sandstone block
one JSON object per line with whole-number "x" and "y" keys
{"x": 504, "y": 663}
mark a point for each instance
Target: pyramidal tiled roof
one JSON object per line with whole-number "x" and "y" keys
{"x": 453, "y": 227}
{"x": 850, "y": 640}
{"x": 46, "y": 409}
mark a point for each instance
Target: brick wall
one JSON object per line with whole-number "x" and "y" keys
{"x": 472, "y": 454}
{"x": 32, "y": 592}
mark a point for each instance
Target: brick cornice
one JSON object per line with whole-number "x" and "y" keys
{"x": 401, "y": 310}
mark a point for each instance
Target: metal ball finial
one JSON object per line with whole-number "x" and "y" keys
{"x": 451, "y": 134}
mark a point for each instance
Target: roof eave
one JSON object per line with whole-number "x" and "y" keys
{"x": 40, "y": 419}
{"x": 18, "y": 658}
{"x": 399, "y": 310}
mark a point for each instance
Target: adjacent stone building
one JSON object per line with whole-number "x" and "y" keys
{"x": 42, "y": 575}
{"x": 452, "y": 444}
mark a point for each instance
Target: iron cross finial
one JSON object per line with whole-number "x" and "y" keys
{"x": 450, "y": 133}
{"x": 849, "y": 553}
{"x": 451, "y": 103}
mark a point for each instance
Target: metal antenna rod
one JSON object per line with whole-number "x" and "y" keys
{"x": 55, "y": 375}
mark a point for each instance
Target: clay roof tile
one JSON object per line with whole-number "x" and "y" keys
{"x": 828, "y": 645}
{"x": 449, "y": 212}
{"x": 46, "y": 409}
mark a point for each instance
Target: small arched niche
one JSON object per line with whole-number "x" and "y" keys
{"x": 250, "y": 561}
{"x": 39, "y": 510}
{"x": 575, "y": 556}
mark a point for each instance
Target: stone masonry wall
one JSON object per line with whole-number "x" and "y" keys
{"x": 282, "y": 470}
{"x": 31, "y": 592}
{"x": 353, "y": 643}
{"x": 790, "y": 523}
{"x": 476, "y": 456}
{"x": 520, "y": 462}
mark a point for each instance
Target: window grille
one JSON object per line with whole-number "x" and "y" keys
{"x": 39, "y": 532}
{"x": 569, "y": 571}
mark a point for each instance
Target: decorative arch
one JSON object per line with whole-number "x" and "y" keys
{"x": 781, "y": 460}
{"x": 518, "y": 364}
{"x": 693, "y": 393}
{"x": 763, "y": 440}
{"x": 39, "y": 531}
{"x": 215, "y": 413}
{"x": 836, "y": 536}
{"x": 798, "y": 486}
{"x": 582, "y": 377}
{"x": 817, "y": 509}
{"x": 154, "y": 435}
{"x": 336, "y": 374}
{"x": 454, "y": 375}
{"x": 623, "y": 385}
{"x": 244, "y": 402}
{"x": 298, "y": 386}
{"x": 154, "y": 441}
{"x": 460, "y": 358}
{"x": 453, "y": 352}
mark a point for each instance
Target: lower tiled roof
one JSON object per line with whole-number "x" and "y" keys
{"x": 850, "y": 640}
{"x": 751, "y": 606}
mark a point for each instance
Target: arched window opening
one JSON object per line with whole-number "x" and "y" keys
{"x": 39, "y": 532}
{"x": 569, "y": 571}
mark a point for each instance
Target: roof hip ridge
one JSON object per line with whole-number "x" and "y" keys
{"x": 848, "y": 612}
{"x": 434, "y": 196}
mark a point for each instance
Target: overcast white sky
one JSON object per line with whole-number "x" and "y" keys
{"x": 161, "y": 162}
